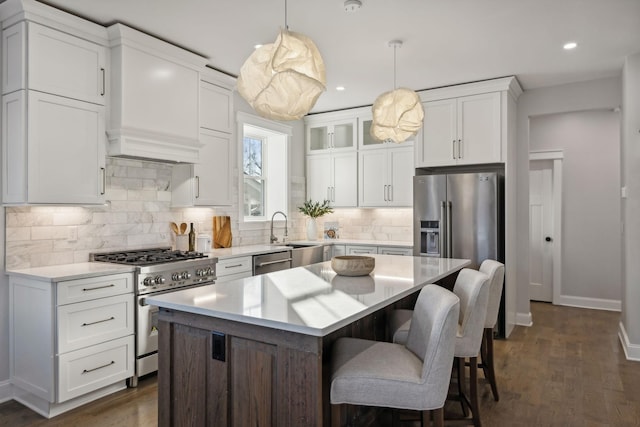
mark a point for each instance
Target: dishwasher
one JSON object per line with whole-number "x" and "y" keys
{"x": 273, "y": 261}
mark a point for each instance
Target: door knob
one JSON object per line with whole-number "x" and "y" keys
{"x": 548, "y": 239}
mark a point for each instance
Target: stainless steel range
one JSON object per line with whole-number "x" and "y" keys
{"x": 157, "y": 271}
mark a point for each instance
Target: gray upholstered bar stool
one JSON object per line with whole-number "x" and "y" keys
{"x": 472, "y": 287}
{"x": 414, "y": 377}
{"x": 495, "y": 271}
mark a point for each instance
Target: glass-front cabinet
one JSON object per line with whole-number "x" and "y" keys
{"x": 333, "y": 135}
{"x": 367, "y": 141}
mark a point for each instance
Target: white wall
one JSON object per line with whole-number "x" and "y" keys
{"x": 630, "y": 324}
{"x": 591, "y": 248}
{"x": 584, "y": 96}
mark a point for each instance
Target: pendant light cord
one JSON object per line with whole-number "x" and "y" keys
{"x": 395, "y": 48}
{"x": 286, "y": 26}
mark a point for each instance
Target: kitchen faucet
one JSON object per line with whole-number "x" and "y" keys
{"x": 273, "y": 238}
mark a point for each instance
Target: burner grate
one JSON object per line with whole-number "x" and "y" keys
{"x": 147, "y": 256}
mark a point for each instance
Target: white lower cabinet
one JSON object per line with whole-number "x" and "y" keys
{"x": 393, "y": 250}
{"x": 361, "y": 249}
{"x": 234, "y": 268}
{"x": 70, "y": 339}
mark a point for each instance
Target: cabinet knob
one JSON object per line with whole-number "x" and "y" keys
{"x": 548, "y": 239}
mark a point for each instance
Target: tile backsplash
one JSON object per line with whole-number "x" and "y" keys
{"x": 139, "y": 212}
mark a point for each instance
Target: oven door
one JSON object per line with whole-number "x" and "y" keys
{"x": 147, "y": 327}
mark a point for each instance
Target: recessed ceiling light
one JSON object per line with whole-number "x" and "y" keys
{"x": 339, "y": 88}
{"x": 258, "y": 46}
{"x": 570, "y": 45}
{"x": 352, "y": 5}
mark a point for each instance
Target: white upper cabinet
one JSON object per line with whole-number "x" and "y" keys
{"x": 386, "y": 177}
{"x": 326, "y": 136}
{"x": 47, "y": 60}
{"x": 333, "y": 177}
{"x": 208, "y": 182}
{"x": 462, "y": 131}
{"x": 155, "y": 91}
{"x": 467, "y": 124}
{"x": 216, "y": 107}
{"x": 53, "y": 113}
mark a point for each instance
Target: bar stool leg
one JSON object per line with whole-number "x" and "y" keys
{"x": 473, "y": 385}
{"x": 486, "y": 353}
{"x": 460, "y": 364}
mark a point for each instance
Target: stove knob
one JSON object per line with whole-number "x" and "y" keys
{"x": 148, "y": 281}
{"x": 187, "y": 275}
{"x": 199, "y": 272}
{"x": 175, "y": 277}
{"x": 210, "y": 271}
{"x": 159, "y": 280}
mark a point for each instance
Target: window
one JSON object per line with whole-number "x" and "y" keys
{"x": 264, "y": 181}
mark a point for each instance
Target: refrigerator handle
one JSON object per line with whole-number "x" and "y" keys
{"x": 449, "y": 231}
{"x": 443, "y": 227}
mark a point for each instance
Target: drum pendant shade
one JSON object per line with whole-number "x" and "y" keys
{"x": 283, "y": 80}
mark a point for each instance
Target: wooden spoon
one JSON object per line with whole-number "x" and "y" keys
{"x": 183, "y": 228}
{"x": 174, "y": 227}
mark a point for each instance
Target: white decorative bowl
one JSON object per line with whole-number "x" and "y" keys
{"x": 353, "y": 265}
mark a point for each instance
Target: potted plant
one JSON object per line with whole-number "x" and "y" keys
{"x": 314, "y": 210}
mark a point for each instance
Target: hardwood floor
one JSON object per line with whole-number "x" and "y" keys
{"x": 567, "y": 370}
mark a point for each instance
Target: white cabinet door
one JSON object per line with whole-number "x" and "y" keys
{"x": 479, "y": 129}
{"x": 372, "y": 180}
{"x": 345, "y": 180}
{"x": 461, "y": 131}
{"x": 391, "y": 250}
{"x": 439, "y": 133}
{"x": 401, "y": 171}
{"x": 213, "y": 173}
{"x": 53, "y": 62}
{"x": 319, "y": 177}
{"x": 61, "y": 157}
{"x": 332, "y": 135}
{"x": 215, "y": 108}
{"x": 386, "y": 177}
{"x": 207, "y": 183}
{"x": 361, "y": 249}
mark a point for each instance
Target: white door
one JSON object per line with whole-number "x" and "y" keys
{"x": 541, "y": 231}
{"x": 401, "y": 176}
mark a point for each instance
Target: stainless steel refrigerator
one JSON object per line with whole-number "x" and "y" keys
{"x": 460, "y": 215}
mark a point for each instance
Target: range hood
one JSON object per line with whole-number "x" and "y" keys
{"x": 154, "y": 95}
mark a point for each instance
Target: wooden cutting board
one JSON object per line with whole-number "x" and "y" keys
{"x": 221, "y": 232}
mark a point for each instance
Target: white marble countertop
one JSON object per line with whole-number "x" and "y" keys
{"x": 238, "y": 251}
{"x": 311, "y": 300}
{"x": 80, "y": 270}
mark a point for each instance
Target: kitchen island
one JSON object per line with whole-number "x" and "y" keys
{"x": 256, "y": 351}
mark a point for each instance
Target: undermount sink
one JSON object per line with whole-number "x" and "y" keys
{"x": 302, "y": 254}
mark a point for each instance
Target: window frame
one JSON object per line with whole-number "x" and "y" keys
{"x": 276, "y": 128}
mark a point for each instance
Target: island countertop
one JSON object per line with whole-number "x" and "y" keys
{"x": 311, "y": 300}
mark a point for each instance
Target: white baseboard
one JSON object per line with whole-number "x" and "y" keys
{"x": 593, "y": 303}
{"x": 6, "y": 393}
{"x": 631, "y": 351}
{"x": 524, "y": 319}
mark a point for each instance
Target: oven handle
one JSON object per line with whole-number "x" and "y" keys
{"x": 279, "y": 261}
{"x": 142, "y": 299}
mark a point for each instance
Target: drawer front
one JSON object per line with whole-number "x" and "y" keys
{"x": 389, "y": 250}
{"x": 71, "y": 291}
{"x": 92, "y": 322}
{"x": 231, "y": 277}
{"x": 359, "y": 250}
{"x": 83, "y": 371}
{"x": 230, "y": 266}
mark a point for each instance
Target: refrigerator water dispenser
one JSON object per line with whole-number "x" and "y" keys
{"x": 430, "y": 238}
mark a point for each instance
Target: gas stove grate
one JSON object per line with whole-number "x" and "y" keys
{"x": 147, "y": 256}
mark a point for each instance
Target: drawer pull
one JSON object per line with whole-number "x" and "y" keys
{"x": 86, "y": 371}
{"x": 233, "y": 266}
{"x": 99, "y": 321}
{"x": 99, "y": 287}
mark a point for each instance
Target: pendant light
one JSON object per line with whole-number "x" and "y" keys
{"x": 284, "y": 79}
{"x": 398, "y": 114}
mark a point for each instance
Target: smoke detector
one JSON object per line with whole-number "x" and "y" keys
{"x": 352, "y": 5}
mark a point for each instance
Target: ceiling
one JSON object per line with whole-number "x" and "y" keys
{"x": 444, "y": 41}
